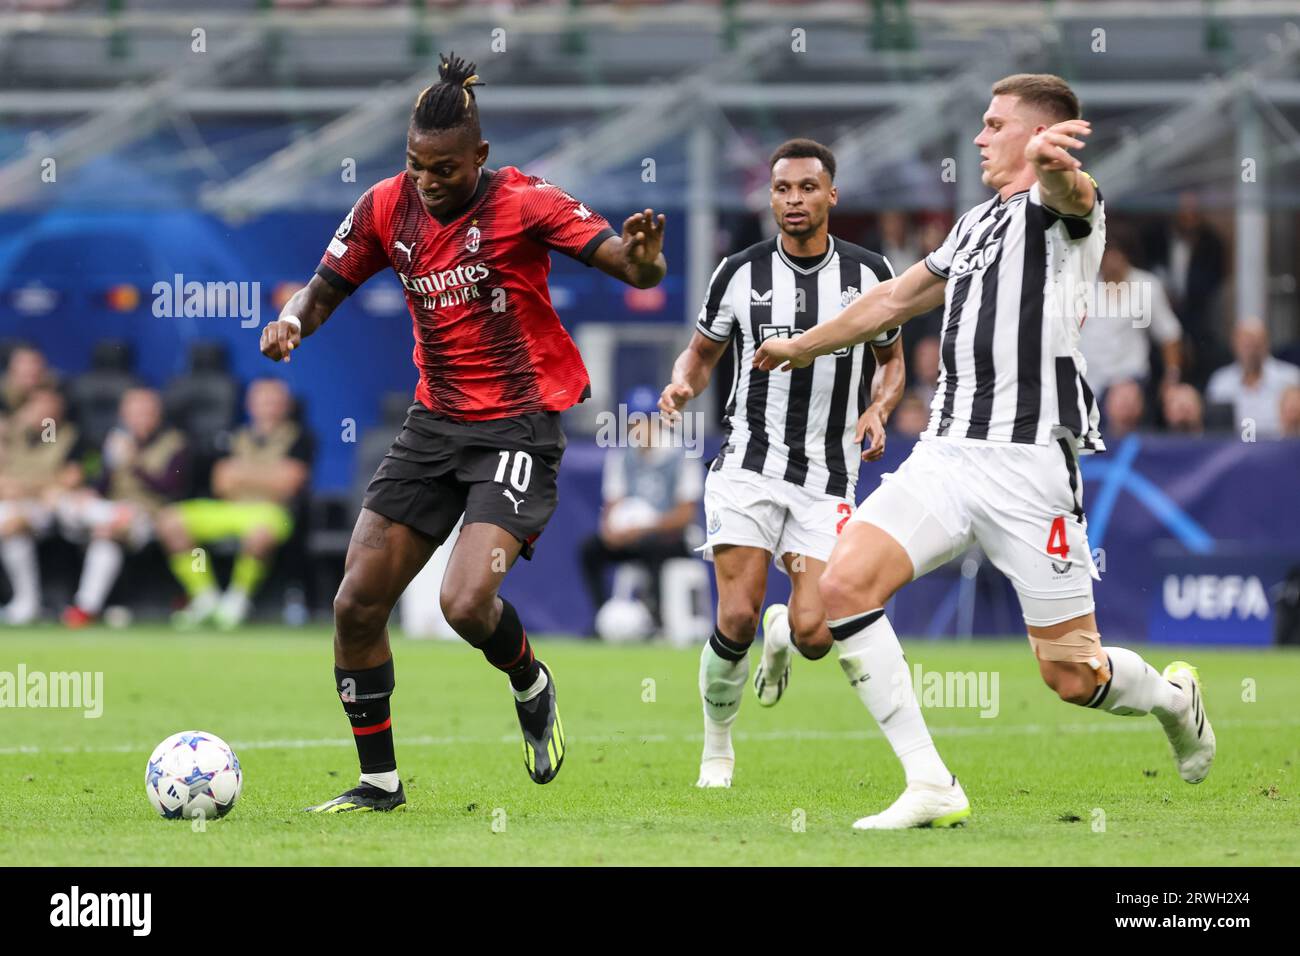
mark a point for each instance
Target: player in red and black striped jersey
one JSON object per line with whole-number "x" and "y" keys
{"x": 471, "y": 246}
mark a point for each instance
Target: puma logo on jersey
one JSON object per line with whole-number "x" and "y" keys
{"x": 757, "y": 298}
{"x": 513, "y": 500}
{"x": 974, "y": 260}
{"x": 582, "y": 212}
{"x": 409, "y": 250}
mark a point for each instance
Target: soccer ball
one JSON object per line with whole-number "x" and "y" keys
{"x": 193, "y": 774}
{"x": 623, "y": 620}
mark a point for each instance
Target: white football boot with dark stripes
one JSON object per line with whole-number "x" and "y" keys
{"x": 1190, "y": 734}
{"x": 773, "y": 674}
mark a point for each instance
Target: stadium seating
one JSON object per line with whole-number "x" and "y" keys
{"x": 94, "y": 395}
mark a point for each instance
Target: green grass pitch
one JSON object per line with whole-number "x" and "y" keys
{"x": 1049, "y": 783}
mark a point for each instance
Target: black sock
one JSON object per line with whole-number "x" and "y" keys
{"x": 365, "y": 696}
{"x": 847, "y": 627}
{"x": 726, "y": 648}
{"x": 508, "y": 649}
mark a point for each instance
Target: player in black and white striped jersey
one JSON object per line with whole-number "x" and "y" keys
{"x": 795, "y": 428}
{"x": 998, "y": 463}
{"x": 783, "y": 483}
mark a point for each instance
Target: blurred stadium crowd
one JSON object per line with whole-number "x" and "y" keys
{"x": 147, "y": 466}
{"x": 1163, "y": 351}
{"x": 236, "y": 5}
{"x": 205, "y": 474}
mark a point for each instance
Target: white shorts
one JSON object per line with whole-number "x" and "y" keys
{"x": 79, "y": 515}
{"x": 745, "y": 508}
{"x": 1023, "y": 504}
{"x": 33, "y": 512}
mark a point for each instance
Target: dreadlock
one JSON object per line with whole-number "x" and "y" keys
{"x": 449, "y": 103}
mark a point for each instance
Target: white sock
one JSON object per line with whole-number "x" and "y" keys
{"x": 533, "y": 689}
{"x": 384, "y": 781}
{"x": 103, "y": 562}
{"x": 1135, "y": 688}
{"x": 18, "y": 552}
{"x": 873, "y": 661}
{"x": 722, "y": 686}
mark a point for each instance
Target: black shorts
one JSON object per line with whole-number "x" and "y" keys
{"x": 501, "y": 472}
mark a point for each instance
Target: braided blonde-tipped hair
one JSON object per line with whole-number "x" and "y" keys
{"x": 438, "y": 107}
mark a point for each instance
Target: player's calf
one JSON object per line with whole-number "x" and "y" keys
{"x": 738, "y": 620}
{"x": 1074, "y": 663}
{"x": 360, "y": 620}
{"x": 1073, "y": 683}
{"x": 810, "y": 635}
{"x": 471, "y": 613}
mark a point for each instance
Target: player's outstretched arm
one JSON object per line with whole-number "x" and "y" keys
{"x": 691, "y": 373}
{"x": 1062, "y": 183}
{"x": 637, "y": 256}
{"x": 883, "y": 307}
{"x": 886, "y": 391}
{"x": 302, "y": 315}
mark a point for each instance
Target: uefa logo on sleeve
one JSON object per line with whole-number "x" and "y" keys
{"x": 345, "y": 226}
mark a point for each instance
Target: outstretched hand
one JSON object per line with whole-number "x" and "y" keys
{"x": 643, "y": 237}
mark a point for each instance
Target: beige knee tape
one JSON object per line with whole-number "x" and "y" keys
{"x": 1076, "y": 647}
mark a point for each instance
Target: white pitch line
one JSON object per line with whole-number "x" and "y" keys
{"x": 991, "y": 729}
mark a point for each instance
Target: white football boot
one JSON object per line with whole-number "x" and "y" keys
{"x": 198, "y": 612}
{"x": 232, "y": 610}
{"x": 922, "y": 805}
{"x": 1190, "y": 734}
{"x": 716, "y": 772}
{"x": 773, "y": 675}
{"x": 18, "y": 613}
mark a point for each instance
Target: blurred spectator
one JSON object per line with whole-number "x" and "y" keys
{"x": 1183, "y": 410}
{"x": 258, "y": 486}
{"x": 1129, "y": 311}
{"x": 651, "y": 493}
{"x": 1254, "y": 384}
{"x": 1188, "y": 256}
{"x": 40, "y": 457}
{"x": 144, "y": 468}
{"x": 932, "y": 235}
{"x": 1124, "y": 407}
{"x": 897, "y": 244}
{"x": 912, "y": 414}
{"x": 26, "y": 372}
{"x": 925, "y": 368}
{"x": 1289, "y": 412}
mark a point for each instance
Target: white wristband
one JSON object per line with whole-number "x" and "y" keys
{"x": 294, "y": 319}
